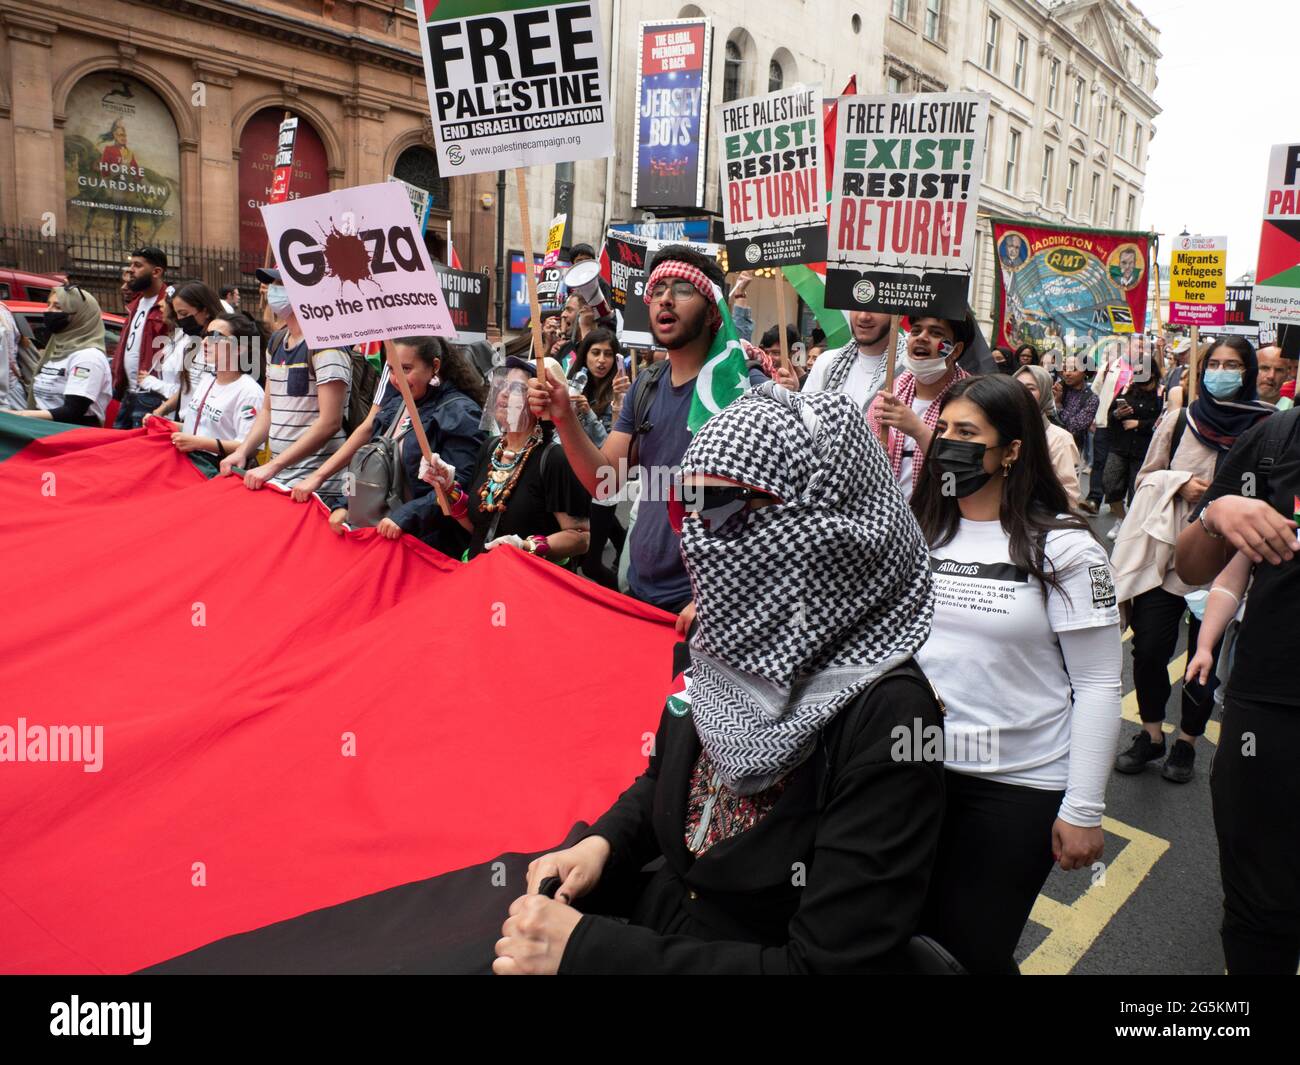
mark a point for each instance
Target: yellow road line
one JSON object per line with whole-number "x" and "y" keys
{"x": 1074, "y": 928}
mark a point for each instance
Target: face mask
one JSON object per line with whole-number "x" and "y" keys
{"x": 927, "y": 371}
{"x": 139, "y": 284}
{"x": 56, "y": 321}
{"x": 1223, "y": 384}
{"x": 278, "y": 300}
{"x": 965, "y": 462}
{"x": 189, "y": 325}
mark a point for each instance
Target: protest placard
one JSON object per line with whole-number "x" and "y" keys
{"x": 1198, "y": 275}
{"x": 905, "y": 193}
{"x": 1237, "y": 317}
{"x": 513, "y": 84}
{"x": 624, "y": 255}
{"x": 466, "y": 294}
{"x": 550, "y": 274}
{"x": 420, "y": 199}
{"x": 284, "y": 159}
{"x": 773, "y": 201}
{"x": 355, "y": 266}
{"x": 1277, "y": 275}
{"x": 672, "y": 92}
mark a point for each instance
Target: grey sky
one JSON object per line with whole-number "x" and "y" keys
{"x": 1228, "y": 89}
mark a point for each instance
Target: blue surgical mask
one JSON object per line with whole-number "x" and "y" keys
{"x": 1223, "y": 384}
{"x": 278, "y": 300}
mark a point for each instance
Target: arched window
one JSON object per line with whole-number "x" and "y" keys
{"x": 419, "y": 166}
{"x": 731, "y": 72}
{"x": 775, "y": 76}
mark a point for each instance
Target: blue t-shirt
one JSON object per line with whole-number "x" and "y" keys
{"x": 656, "y": 573}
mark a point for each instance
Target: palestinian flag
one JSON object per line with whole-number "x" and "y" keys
{"x": 286, "y": 750}
{"x": 809, "y": 280}
{"x": 725, "y": 374}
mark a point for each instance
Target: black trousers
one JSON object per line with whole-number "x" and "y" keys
{"x": 1120, "y": 475}
{"x": 1155, "y": 619}
{"x": 605, "y": 528}
{"x": 1100, "y": 452}
{"x": 1255, "y": 789}
{"x": 995, "y": 851}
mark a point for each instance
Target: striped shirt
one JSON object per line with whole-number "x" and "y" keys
{"x": 291, "y": 390}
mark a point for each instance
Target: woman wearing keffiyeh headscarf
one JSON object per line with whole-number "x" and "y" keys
{"x": 790, "y": 795}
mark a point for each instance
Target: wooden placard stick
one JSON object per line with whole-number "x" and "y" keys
{"x": 398, "y": 378}
{"x": 530, "y": 273}
{"x": 890, "y": 353}
{"x": 1193, "y": 365}
{"x": 780, "y": 324}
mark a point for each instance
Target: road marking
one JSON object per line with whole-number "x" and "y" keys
{"x": 1129, "y": 707}
{"x": 1074, "y": 928}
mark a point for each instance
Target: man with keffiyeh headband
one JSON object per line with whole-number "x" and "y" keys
{"x": 796, "y": 818}
{"x": 685, "y": 317}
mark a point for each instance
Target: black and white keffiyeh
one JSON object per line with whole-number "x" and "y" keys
{"x": 841, "y": 364}
{"x": 816, "y": 598}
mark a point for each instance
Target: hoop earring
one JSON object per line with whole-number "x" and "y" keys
{"x": 1006, "y": 470}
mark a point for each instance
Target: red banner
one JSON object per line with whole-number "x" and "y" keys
{"x": 292, "y": 720}
{"x": 1056, "y": 282}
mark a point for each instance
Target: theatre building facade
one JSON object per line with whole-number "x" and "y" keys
{"x": 125, "y": 123}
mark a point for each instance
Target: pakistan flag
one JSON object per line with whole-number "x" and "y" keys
{"x": 725, "y": 374}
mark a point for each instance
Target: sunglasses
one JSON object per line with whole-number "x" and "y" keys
{"x": 722, "y": 510}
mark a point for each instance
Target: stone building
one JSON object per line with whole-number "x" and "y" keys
{"x": 125, "y": 122}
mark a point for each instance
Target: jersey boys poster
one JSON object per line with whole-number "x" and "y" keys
{"x": 1057, "y": 282}
{"x": 672, "y": 92}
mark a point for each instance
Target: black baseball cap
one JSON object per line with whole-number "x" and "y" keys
{"x": 150, "y": 254}
{"x": 268, "y": 275}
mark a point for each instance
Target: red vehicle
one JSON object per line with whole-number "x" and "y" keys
{"x": 30, "y": 317}
{"x": 20, "y": 285}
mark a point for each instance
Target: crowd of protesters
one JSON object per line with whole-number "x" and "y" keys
{"x": 874, "y": 540}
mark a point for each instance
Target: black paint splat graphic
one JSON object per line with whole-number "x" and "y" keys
{"x": 346, "y": 257}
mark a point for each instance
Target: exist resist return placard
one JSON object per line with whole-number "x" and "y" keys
{"x": 773, "y": 205}
{"x": 904, "y": 198}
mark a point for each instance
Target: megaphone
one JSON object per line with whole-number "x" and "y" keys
{"x": 584, "y": 280}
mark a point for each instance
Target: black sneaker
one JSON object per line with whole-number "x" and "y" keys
{"x": 1144, "y": 750}
{"x": 1089, "y": 506}
{"x": 1180, "y": 765}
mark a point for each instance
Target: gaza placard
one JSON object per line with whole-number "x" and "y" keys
{"x": 515, "y": 83}
{"x": 355, "y": 266}
{"x": 773, "y": 203}
{"x": 904, "y": 198}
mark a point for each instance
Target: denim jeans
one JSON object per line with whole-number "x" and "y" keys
{"x": 134, "y": 406}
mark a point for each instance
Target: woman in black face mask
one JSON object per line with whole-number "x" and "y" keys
{"x": 1025, "y": 652}
{"x": 193, "y": 306}
{"x": 73, "y": 380}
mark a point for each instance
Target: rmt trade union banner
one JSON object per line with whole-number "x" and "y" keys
{"x": 904, "y": 198}
{"x": 1198, "y": 278}
{"x": 355, "y": 266}
{"x": 1277, "y": 275}
{"x": 773, "y": 205}
{"x": 1082, "y": 283}
{"x": 672, "y": 91}
{"x": 515, "y": 83}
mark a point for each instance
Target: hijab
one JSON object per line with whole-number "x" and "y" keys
{"x": 85, "y": 325}
{"x": 1043, "y": 382}
{"x": 1217, "y": 423}
{"x": 817, "y": 597}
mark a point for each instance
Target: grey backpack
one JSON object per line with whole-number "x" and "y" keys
{"x": 376, "y": 479}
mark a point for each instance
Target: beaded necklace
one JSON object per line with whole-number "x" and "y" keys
{"x": 503, "y": 473}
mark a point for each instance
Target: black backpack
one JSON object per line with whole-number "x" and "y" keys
{"x": 645, "y": 396}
